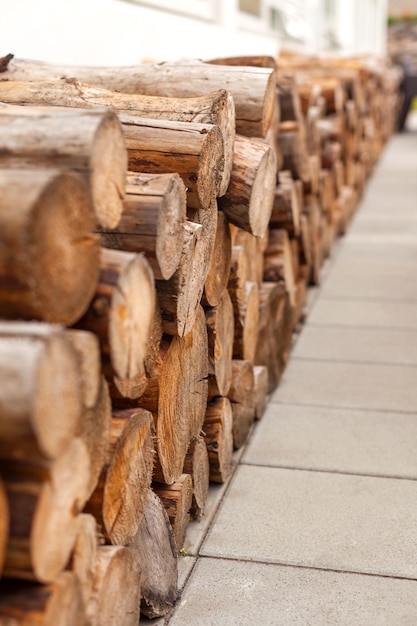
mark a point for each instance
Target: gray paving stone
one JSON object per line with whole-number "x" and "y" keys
{"x": 387, "y": 225}
{"x": 349, "y": 385}
{"x": 315, "y": 519}
{"x": 366, "y": 345}
{"x": 233, "y": 593}
{"x": 372, "y": 283}
{"x": 363, "y": 313}
{"x": 335, "y": 440}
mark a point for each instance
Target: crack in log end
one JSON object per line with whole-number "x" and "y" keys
{"x": 4, "y": 62}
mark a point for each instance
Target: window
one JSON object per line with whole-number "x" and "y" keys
{"x": 253, "y": 7}
{"x": 204, "y": 9}
{"x": 284, "y": 17}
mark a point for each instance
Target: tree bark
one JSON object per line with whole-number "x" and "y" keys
{"x": 219, "y": 266}
{"x": 220, "y": 331}
{"x": 249, "y": 198}
{"x": 215, "y": 108}
{"x": 156, "y": 555}
{"x": 246, "y": 61}
{"x": 115, "y": 597}
{"x": 40, "y": 395}
{"x": 196, "y": 464}
{"x": 177, "y": 500}
{"x": 87, "y": 350}
{"x": 89, "y": 142}
{"x": 177, "y": 396}
{"x": 253, "y": 88}
{"x": 278, "y": 263}
{"x": 120, "y": 499}
{"x": 293, "y": 146}
{"x": 253, "y": 250}
{"x": 154, "y": 211}
{"x": 286, "y": 210}
{"x": 121, "y": 314}
{"x": 241, "y": 396}
{"x": 49, "y": 255}
{"x": 44, "y": 501}
{"x": 58, "y": 604}
{"x": 195, "y": 151}
{"x": 238, "y": 276}
{"x": 218, "y": 435}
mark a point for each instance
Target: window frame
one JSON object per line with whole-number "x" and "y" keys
{"x": 206, "y": 10}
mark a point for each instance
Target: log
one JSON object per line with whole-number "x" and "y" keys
{"x": 246, "y": 319}
{"x": 58, "y": 604}
{"x": 154, "y": 211}
{"x": 293, "y": 147}
{"x": 254, "y": 251}
{"x": 216, "y": 108}
{"x": 49, "y": 255}
{"x": 260, "y": 373}
{"x": 272, "y": 314}
{"x": 84, "y": 554}
{"x": 121, "y": 314}
{"x": 180, "y": 296}
{"x": 4, "y": 523}
{"x": 220, "y": 332}
{"x": 278, "y": 262}
{"x": 87, "y": 351}
{"x": 156, "y": 554}
{"x": 44, "y": 501}
{"x": 177, "y": 500}
{"x": 89, "y": 142}
{"x": 249, "y": 198}
{"x": 252, "y": 88}
{"x": 195, "y": 151}
{"x": 115, "y": 597}
{"x": 312, "y": 212}
{"x": 40, "y": 395}
{"x": 119, "y": 501}
{"x": 286, "y": 210}
{"x": 238, "y": 276}
{"x": 177, "y": 396}
{"x": 247, "y": 61}
{"x": 219, "y": 266}
{"x": 218, "y": 436}
{"x": 196, "y": 464}
{"x": 242, "y": 398}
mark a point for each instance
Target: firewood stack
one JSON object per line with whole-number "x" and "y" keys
{"x": 157, "y": 239}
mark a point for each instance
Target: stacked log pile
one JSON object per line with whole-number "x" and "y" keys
{"x": 157, "y": 241}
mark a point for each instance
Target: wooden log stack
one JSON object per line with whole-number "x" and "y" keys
{"x": 155, "y": 254}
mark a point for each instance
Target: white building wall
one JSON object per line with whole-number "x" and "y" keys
{"x": 115, "y": 32}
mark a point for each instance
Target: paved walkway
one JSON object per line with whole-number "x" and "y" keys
{"x": 319, "y": 524}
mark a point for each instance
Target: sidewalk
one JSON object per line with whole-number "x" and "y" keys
{"x": 318, "y": 525}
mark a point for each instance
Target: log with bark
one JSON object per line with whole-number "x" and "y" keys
{"x": 249, "y": 198}
{"x": 177, "y": 500}
{"x": 252, "y": 88}
{"x": 220, "y": 331}
{"x": 260, "y": 373}
{"x": 278, "y": 261}
{"x": 293, "y": 146}
{"x": 121, "y": 314}
{"x": 40, "y": 394}
{"x": 154, "y": 211}
{"x": 218, "y": 436}
{"x": 49, "y": 254}
{"x": 195, "y": 151}
{"x": 246, "y": 319}
{"x": 219, "y": 266}
{"x": 119, "y": 500}
{"x": 89, "y": 142}
{"x": 286, "y": 210}
{"x": 177, "y": 397}
{"x": 156, "y": 555}
{"x": 115, "y": 596}
{"x": 242, "y": 398}
{"x": 196, "y": 464}
{"x": 253, "y": 248}
{"x": 58, "y": 604}
{"x": 216, "y": 108}
{"x": 84, "y": 554}
{"x": 44, "y": 499}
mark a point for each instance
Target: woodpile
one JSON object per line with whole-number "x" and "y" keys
{"x": 157, "y": 239}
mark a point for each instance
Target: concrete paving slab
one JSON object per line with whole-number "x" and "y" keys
{"x": 233, "y": 593}
{"x": 349, "y": 385}
{"x": 335, "y": 440}
{"x": 363, "y": 313}
{"x": 315, "y": 519}
{"x": 387, "y": 225}
{"x": 365, "y": 345}
{"x": 370, "y": 284}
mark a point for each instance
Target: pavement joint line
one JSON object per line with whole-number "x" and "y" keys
{"x": 342, "y": 407}
{"x": 404, "y": 329}
{"x": 369, "y": 298}
{"x": 305, "y": 567}
{"x": 329, "y": 471}
{"x": 351, "y": 361}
